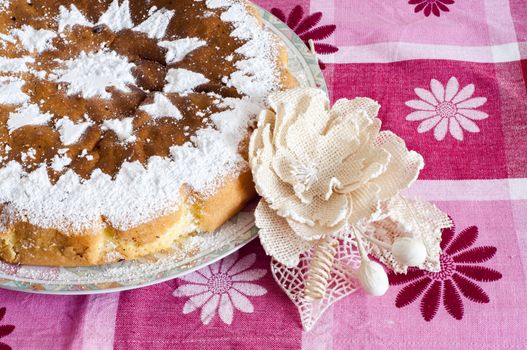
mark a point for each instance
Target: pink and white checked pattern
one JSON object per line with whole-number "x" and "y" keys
{"x": 385, "y": 51}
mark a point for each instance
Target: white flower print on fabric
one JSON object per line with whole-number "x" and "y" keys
{"x": 221, "y": 288}
{"x": 447, "y": 109}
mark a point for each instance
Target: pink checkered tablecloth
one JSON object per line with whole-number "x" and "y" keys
{"x": 451, "y": 77}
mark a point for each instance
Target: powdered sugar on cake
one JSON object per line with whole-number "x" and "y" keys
{"x": 139, "y": 192}
{"x": 90, "y": 74}
{"x": 70, "y": 132}
{"x": 182, "y": 80}
{"x": 11, "y": 91}
{"x": 15, "y": 65}
{"x": 69, "y": 18}
{"x": 123, "y": 128}
{"x": 156, "y": 25}
{"x": 34, "y": 40}
{"x": 117, "y": 17}
{"x": 178, "y": 49}
{"x": 162, "y": 107}
{"x": 27, "y": 115}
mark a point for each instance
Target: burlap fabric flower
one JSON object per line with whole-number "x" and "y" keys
{"x": 320, "y": 169}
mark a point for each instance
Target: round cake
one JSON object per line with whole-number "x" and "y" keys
{"x": 124, "y": 123}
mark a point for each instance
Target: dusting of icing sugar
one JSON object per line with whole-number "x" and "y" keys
{"x": 256, "y": 75}
{"x": 140, "y": 193}
{"x": 15, "y": 65}
{"x": 182, "y": 80}
{"x": 59, "y": 162}
{"x": 4, "y": 39}
{"x": 90, "y": 74}
{"x": 12, "y": 93}
{"x": 123, "y": 128}
{"x": 178, "y": 49}
{"x": 32, "y": 39}
{"x": 69, "y": 18}
{"x": 117, "y": 17}
{"x": 156, "y": 24}
{"x": 30, "y": 154}
{"x": 28, "y": 114}
{"x": 162, "y": 107}
{"x": 70, "y": 132}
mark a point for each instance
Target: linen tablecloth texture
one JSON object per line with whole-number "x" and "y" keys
{"x": 451, "y": 77}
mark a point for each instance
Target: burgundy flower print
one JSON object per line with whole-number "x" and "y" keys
{"x": 460, "y": 272}
{"x": 431, "y": 6}
{"x": 306, "y": 28}
{"x": 5, "y": 330}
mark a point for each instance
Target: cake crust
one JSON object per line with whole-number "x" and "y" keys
{"x": 25, "y": 242}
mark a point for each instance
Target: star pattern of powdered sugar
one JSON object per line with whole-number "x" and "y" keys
{"x": 134, "y": 192}
{"x": 90, "y": 73}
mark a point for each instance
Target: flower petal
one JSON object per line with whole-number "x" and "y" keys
{"x": 226, "y": 310}
{"x": 403, "y": 278}
{"x": 472, "y": 103}
{"x": 420, "y": 6}
{"x": 464, "y": 239}
{"x": 435, "y": 10}
{"x": 421, "y": 105}
{"x": 196, "y": 278}
{"x": 428, "y": 9}
{"x": 467, "y": 124}
{"x": 446, "y": 236}
{"x": 442, "y": 7}
{"x": 5, "y": 330}
{"x": 430, "y": 302}
{"x": 465, "y": 93}
{"x": 420, "y": 115}
{"x": 228, "y": 262}
{"x": 452, "y": 300}
{"x": 411, "y": 292}
{"x": 249, "y": 275}
{"x": 209, "y": 309}
{"x": 278, "y": 13}
{"x": 426, "y": 95}
{"x": 452, "y": 88}
{"x": 325, "y": 49}
{"x": 240, "y": 301}
{"x": 472, "y": 114}
{"x": 319, "y": 33}
{"x": 308, "y": 23}
{"x": 455, "y": 129}
{"x": 2, "y": 313}
{"x": 470, "y": 290}
{"x": 475, "y": 255}
{"x": 196, "y": 302}
{"x": 479, "y": 273}
{"x": 187, "y": 290}
{"x": 295, "y": 16}
{"x": 441, "y": 129}
{"x": 312, "y": 233}
{"x": 428, "y": 124}
{"x": 215, "y": 268}
{"x": 250, "y": 289}
{"x": 403, "y": 168}
{"x": 277, "y": 237}
{"x": 242, "y": 264}
{"x": 438, "y": 90}
{"x": 205, "y": 272}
